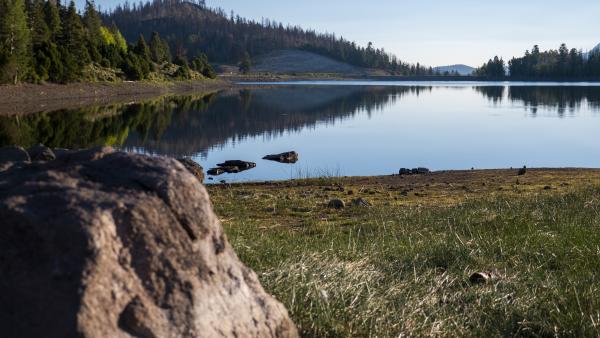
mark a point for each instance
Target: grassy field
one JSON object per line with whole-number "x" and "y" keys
{"x": 401, "y": 266}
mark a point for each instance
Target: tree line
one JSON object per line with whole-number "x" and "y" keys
{"x": 555, "y": 64}
{"x": 44, "y": 41}
{"x": 192, "y": 27}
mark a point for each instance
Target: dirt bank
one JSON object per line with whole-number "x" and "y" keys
{"x": 30, "y": 98}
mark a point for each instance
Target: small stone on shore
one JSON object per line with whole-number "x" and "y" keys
{"x": 336, "y": 204}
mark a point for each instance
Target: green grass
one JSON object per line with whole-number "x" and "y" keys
{"x": 403, "y": 270}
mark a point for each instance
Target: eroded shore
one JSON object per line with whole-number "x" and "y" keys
{"x": 29, "y": 98}
{"x": 440, "y": 188}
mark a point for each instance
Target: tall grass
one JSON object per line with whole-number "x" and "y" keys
{"x": 302, "y": 173}
{"x": 404, "y": 271}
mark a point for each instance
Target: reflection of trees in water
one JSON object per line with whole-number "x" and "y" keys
{"x": 191, "y": 125}
{"x": 82, "y": 128}
{"x": 236, "y": 116}
{"x": 562, "y": 99}
{"x": 495, "y": 94}
{"x": 559, "y": 98}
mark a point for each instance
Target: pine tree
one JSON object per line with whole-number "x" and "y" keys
{"x": 201, "y": 65}
{"x": 159, "y": 49}
{"x": 92, "y": 21}
{"x": 40, "y": 40}
{"x": 246, "y": 63}
{"x": 93, "y": 25}
{"x": 73, "y": 47}
{"x": 120, "y": 41}
{"x": 15, "y": 41}
{"x": 132, "y": 67}
{"x": 40, "y": 33}
{"x": 53, "y": 21}
{"x": 55, "y": 70}
{"x": 183, "y": 72}
{"x": 141, "y": 49}
{"x": 493, "y": 69}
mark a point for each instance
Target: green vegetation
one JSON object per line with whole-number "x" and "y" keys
{"x": 15, "y": 39}
{"x": 98, "y": 126}
{"x": 41, "y": 41}
{"x": 402, "y": 266}
{"x": 560, "y": 64}
{"x": 493, "y": 69}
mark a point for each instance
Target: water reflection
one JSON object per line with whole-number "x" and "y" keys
{"x": 198, "y": 125}
{"x": 238, "y": 115}
{"x": 494, "y": 94}
{"x": 107, "y": 125}
{"x": 560, "y": 99}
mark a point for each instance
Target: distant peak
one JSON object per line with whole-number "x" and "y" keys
{"x": 458, "y": 68}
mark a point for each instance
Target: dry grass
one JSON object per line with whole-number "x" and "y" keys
{"x": 402, "y": 267}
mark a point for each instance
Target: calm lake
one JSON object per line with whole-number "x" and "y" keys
{"x": 343, "y": 128}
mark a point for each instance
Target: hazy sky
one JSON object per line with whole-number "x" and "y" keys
{"x": 437, "y": 32}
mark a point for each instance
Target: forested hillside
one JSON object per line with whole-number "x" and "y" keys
{"x": 555, "y": 64}
{"x": 191, "y": 27}
{"x": 44, "y": 41}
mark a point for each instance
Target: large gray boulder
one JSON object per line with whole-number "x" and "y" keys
{"x": 100, "y": 243}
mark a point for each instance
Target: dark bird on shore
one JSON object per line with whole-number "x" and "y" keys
{"x": 522, "y": 171}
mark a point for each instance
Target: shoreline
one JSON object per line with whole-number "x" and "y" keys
{"x": 27, "y": 99}
{"x": 366, "y": 77}
{"x": 497, "y": 177}
{"x": 17, "y": 100}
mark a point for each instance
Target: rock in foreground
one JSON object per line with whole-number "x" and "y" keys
{"x": 107, "y": 244}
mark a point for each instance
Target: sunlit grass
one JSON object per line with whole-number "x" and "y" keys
{"x": 403, "y": 267}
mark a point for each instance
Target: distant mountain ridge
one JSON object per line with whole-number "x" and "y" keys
{"x": 459, "y": 68}
{"x": 191, "y": 28}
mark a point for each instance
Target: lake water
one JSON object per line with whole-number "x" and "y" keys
{"x": 343, "y": 128}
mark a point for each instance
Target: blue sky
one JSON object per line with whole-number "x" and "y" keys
{"x": 437, "y": 32}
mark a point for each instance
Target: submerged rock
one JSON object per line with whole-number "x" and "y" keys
{"x": 107, "y": 244}
{"x": 241, "y": 165}
{"x": 287, "y": 157}
{"x": 231, "y": 167}
{"x": 232, "y": 170}
{"x": 405, "y": 171}
{"x": 215, "y": 171}
{"x": 414, "y": 171}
